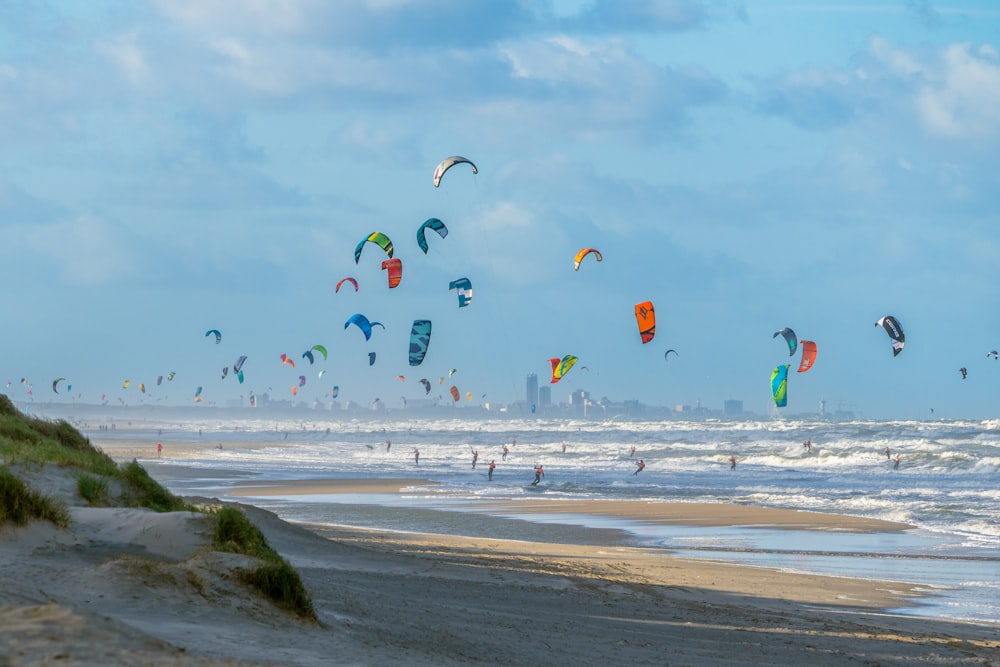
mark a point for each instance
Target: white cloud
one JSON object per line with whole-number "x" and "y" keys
{"x": 963, "y": 100}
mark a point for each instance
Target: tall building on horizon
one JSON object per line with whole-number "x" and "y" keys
{"x": 532, "y": 389}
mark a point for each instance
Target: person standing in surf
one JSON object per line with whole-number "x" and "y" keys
{"x": 732, "y": 462}
{"x": 539, "y": 473}
{"x": 489, "y": 474}
{"x": 416, "y": 456}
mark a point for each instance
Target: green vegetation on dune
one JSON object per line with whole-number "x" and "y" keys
{"x": 32, "y": 443}
{"x": 276, "y": 578}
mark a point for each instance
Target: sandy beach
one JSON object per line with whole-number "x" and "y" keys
{"x": 132, "y": 587}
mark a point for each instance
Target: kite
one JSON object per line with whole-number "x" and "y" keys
{"x": 427, "y": 385}
{"x": 142, "y": 388}
{"x": 197, "y": 392}
{"x": 225, "y": 372}
{"x": 447, "y": 164}
{"x": 287, "y": 361}
{"x": 218, "y": 335}
{"x": 395, "y": 268}
{"x": 464, "y": 288}
{"x": 964, "y": 372}
{"x": 646, "y": 319}
{"x": 895, "y": 331}
{"x": 321, "y": 350}
{"x": 125, "y": 384}
{"x": 335, "y": 392}
{"x": 238, "y": 366}
{"x": 379, "y": 239}
{"x": 452, "y": 372}
{"x": 239, "y": 376}
{"x": 159, "y": 380}
{"x": 561, "y": 366}
{"x": 454, "y": 393}
{"x": 346, "y": 280}
{"x": 170, "y": 376}
{"x": 790, "y": 338}
{"x": 309, "y": 355}
{"x": 808, "y": 356}
{"x": 583, "y": 253}
{"x": 302, "y": 380}
{"x": 362, "y": 323}
{"x": 401, "y": 378}
{"x": 430, "y": 223}
{"x": 420, "y": 338}
{"x": 668, "y": 352}
{"x": 55, "y": 382}
{"x": 779, "y": 385}
{"x": 371, "y": 358}
{"x": 994, "y": 354}
{"x": 468, "y": 396}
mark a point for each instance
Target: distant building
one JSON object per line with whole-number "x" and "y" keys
{"x": 544, "y": 396}
{"x": 532, "y": 389}
{"x": 732, "y": 408}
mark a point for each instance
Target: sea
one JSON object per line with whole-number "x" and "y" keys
{"x": 946, "y": 485}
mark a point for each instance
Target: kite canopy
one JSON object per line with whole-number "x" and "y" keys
{"x": 420, "y": 338}
{"x": 583, "y": 253}
{"x": 346, "y": 280}
{"x": 430, "y": 223}
{"x": 464, "y": 287}
{"x": 448, "y": 163}
{"x": 666, "y": 358}
{"x": 217, "y": 333}
{"x": 779, "y": 385}
{"x": 379, "y": 239}
{"x": 790, "y": 338}
{"x": 361, "y": 322}
{"x": 808, "y": 355}
{"x": 394, "y": 266}
{"x": 646, "y": 319}
{"x": 561, "y": 366}
{"x": 895, "y": 331}
{"x": 427, "y": 385}
{"x": 454, "y": 393}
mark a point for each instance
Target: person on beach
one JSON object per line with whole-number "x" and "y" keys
{"x": 504, "y": 456}
{"x": 416, "y": 456}
{"x": 475, "y": 457}
{"x": 732, "y": 463}
{"x": 895, "y": 463}
{"x": 888, "y": 455}
{"x": 490, "y": 473}
{"x": 159, "y": 449}
{"x": 539, "y": 473}
{"x": 639, "y": 466}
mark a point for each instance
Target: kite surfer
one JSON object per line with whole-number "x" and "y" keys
{"x": 732, "y": 463}
{"x": 808, "y": 445}
{"x": 504, "y": 456}
{"x": 388, "y": 446}
{"x": 539, "y": 473}
{"x": 639, "y": 466}
{"x": 475, "y": 457}
{"x": 490, "y": 473}
{"x": 895, "y": 463}
{"x": 416, "y": 456}
{"x": 632, "y": 453}
{"x": 887, "y": 454}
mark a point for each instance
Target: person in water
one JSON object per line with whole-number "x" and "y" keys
{"x": 539, "y": 473}
{"x": 639, "y": 466}
{"x": 416, "y": 456}
{"x": 732, "y": 463}
{"x": 388, "y": 445}
{"x": 505, "y": 450}
{"x": 475, "y": 457}
{"x": 490, "y": 473}
{"x": 895, "y": 463}
{"x": 808, "y": 445}
{"x": 887, "y": 454}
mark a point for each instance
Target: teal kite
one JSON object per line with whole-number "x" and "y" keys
{"x": 420, "y": 338}
{"x": 430, "y": 223}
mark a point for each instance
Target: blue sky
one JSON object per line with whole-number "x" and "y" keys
{"x": 172, "y": 167}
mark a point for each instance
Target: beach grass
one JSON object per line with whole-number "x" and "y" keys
{"x": 20, "y": 504}
{"x": 275, "y": 577}
{"x": 93, "y": 489}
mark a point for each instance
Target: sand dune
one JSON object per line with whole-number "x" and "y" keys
{"x": 132, "y": 587}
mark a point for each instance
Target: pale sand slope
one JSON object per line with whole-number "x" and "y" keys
{"x": 134, "y": 588}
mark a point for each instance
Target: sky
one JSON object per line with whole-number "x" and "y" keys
{"x": 170, "y": 167}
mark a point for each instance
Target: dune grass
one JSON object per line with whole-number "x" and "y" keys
{"x": 20, "y": 504}
{"x": 31, "y": 442}
{"x": 275, "y": 578}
